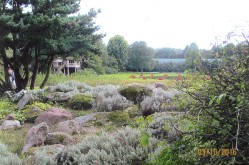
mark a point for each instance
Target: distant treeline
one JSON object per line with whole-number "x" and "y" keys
{"x": 173, "y": 53}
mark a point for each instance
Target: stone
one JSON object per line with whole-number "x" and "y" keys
{"x": 53, "y": 115}
{"x": 10, "y": 124}
{"x": 86, "y": 118}
{"x": 11, "y": 117}
{"x": 36, "y": 136}
{"x": 71, "y": 127}
{"x": 59, "y": 138}
{"x": 26, "y": 99}
{"x": 31, "y": 113}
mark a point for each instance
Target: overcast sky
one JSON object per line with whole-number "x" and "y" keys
{"x": 168, "y": 23}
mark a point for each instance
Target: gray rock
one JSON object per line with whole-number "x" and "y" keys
{"x": 53, "y": 115}
{"x": 36, "y": 136}
{"x": 85, "y": 118}
{"x": 10, "y": 124}
{"x": 72, "y": 127}
{"x": 26, "y": 99}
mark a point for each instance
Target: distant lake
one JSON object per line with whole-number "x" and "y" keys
{"x": 168, "y": 60}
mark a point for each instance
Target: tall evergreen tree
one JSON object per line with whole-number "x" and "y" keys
{"x": 36, "y": 32}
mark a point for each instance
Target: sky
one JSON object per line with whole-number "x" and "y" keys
{"x": 168, "y": 23}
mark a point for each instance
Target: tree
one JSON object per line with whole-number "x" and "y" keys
{"x": 192, "y": 55}
{"x": 118, "y": 47}
{"x": 140, "y": 56}
{"x": 169, "y": 53}
{"x": 36, "y": 32}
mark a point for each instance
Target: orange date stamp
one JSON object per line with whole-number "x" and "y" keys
{"x": 216, "y": 152}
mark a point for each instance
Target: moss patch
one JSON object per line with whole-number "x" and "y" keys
{"x": 80, "y": 101}
{"x": 135, "y": 92}
{"x": 118, "y": 117}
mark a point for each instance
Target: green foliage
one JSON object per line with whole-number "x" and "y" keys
{"x": 117, "y": 47}
{"x": 6, "y": 107}
{"x": 14, "y": 140}
{"x": 192, "y": 55}
{"x": 118, "y": 117}
{"x": 135, "y": 92}
{"x": 43, "y": 106}
{"x": 169, "y": 53}
{"x": 80, "y": 101}
{"x": 221, "y": 105}
{"x": 7, "y": 158}
{"x": 95, "y": 63}
{"x": 140, "y": 57}
{"x": 57, "y": 32}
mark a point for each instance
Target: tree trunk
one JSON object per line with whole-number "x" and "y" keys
{"x": 35, "y": 71}
{"x": 47, "y": 73}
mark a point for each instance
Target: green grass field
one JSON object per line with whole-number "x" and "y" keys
{"x": 116, "y": 79}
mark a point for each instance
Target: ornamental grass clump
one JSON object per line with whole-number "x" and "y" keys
{"x": 121, "y": 147}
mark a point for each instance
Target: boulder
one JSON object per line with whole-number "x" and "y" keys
{"x": 10, "y": 124}
{"x": 36, "y": 136}
{"x": 71, "y": 127}
{"x": 59, "y": 138}
{"x": 31, "y": 113}
{"x": 59, "y": 97}
{"x": 53, "y": 115}
{"x": 86, "y": 118}
{"x": 26, "y": 99}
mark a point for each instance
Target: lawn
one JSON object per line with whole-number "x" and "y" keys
{"x": 116, "y": 79}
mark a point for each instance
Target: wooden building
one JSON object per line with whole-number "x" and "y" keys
{"x": 67, "y": 65}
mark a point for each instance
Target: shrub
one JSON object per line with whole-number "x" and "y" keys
{"x": 80, "y": 101}
{"x": 121, "y": 147}
{"x": 108, "y": 99}
{"x": 135, "y": 92}
{"x": 119, "y": 118}
{"x": 7, "y": 158}
{"x": 162, "y": 127}
{"x": 159, "y": 101}
{"x": 72, "y": 86}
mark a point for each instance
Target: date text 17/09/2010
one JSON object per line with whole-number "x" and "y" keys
{"x": 216, "y": 152}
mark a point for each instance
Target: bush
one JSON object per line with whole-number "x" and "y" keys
{"x": 80, "y": 101}
{"x": 121, "y": 147}
{"x": 72, "y": 86}
{"x": 7, "y": 158}
{"x": 108, "y": 99}
{"x": 163, "y": 127}
{"x": 135, "y": 92}
{"x": 159, "y": 101}
{"x": 119, "y": 118}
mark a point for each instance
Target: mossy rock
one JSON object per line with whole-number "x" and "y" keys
{"x": 80, "y": 101}
{"x": 31, "y": 112}
{"x": 135, "y": 92}
{"x": 118, "y": 117}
